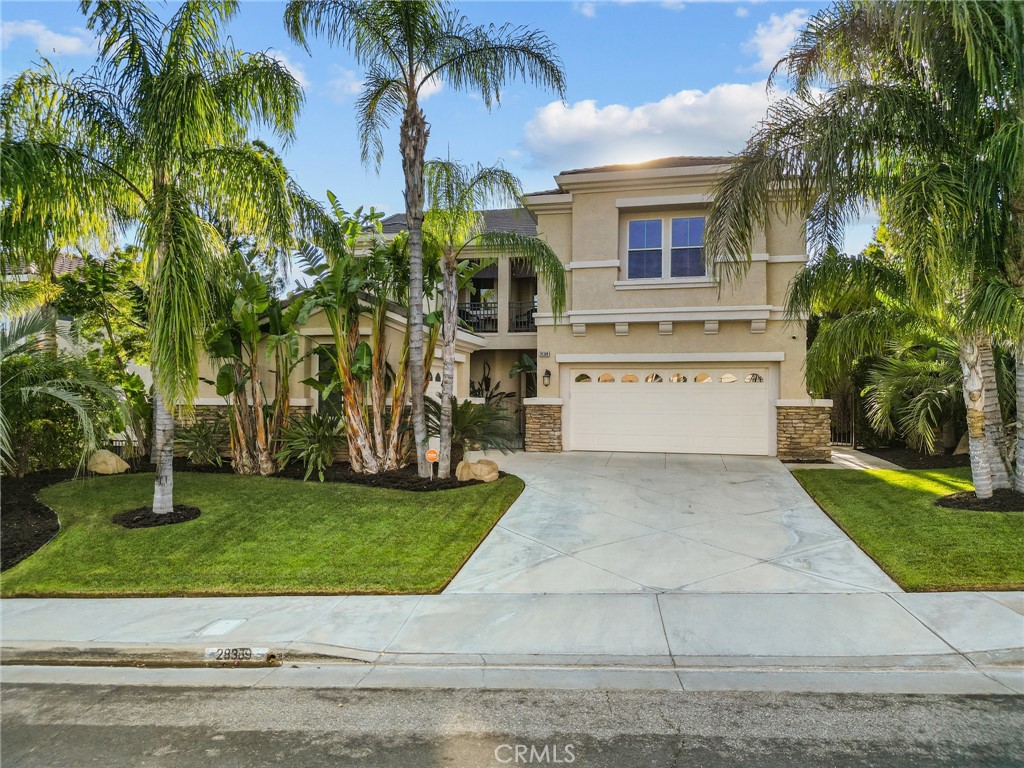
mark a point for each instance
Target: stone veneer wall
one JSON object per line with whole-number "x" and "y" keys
{"x": 804, "y": 433}
{"x": 543, "y": 428}
{"x": 211, "y": 413}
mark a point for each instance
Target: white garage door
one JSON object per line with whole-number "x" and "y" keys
{"x": 721, "y": 409}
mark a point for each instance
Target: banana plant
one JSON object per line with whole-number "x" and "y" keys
{"x": 256, "y": 330}
{"x": 354, "y": 274}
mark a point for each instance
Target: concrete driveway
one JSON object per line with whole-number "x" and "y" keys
{"x": 628, "y": 522}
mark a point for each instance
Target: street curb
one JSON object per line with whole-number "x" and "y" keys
{"x": 149, "y": 655}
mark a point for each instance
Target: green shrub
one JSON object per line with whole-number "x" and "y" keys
{"x": 313, "y": 439}
{"x": 202, "y": 440}
{"x": 475, "y": 426}
{"x": 44, "y": 432}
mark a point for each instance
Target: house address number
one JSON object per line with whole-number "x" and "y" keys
{"x": 236, "y": 654}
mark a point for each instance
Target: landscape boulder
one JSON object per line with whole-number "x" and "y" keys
{"x": 106, "y": 463}
{"x": 485, "y": 470}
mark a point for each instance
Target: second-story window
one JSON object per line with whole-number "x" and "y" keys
{"x": 644, "y": 258}
{"x": 665, "y": 247}
{"x": 687, "y": 247}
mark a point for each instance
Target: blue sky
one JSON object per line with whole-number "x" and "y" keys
{"x": 645, "y": 80}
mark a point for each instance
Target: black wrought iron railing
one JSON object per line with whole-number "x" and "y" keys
{"x": 480, "y": 316}
{"x": 520, "y": 316}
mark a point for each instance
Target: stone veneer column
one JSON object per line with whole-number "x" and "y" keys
{"x": 543, "y": 424}
{"x": 804, "y": 430}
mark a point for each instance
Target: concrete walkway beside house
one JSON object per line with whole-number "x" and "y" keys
{"x": 611, "y": 571}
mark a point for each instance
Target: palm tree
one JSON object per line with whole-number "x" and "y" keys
{"x": 456, "y": 195}
{"x": 868, "y": 312}
{"x": 405, "y": 46}
{"x": 155, "y": 134}
{"x": 927, "y": 142}
{"x": 356, "y": 274}
{"x": 32, "y": 372}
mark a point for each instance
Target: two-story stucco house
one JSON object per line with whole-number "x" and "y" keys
{"x": 652, "y": 354}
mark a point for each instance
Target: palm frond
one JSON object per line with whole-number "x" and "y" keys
{"x": 486, "y": 58}
{"x": 538, "y": 253}
{"x": 128, "y": 33}
{"x": 257, "y": 90}
{"x": 181, "y": 251}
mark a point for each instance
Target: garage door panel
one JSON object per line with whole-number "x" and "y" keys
{"x": 678, "y": 417}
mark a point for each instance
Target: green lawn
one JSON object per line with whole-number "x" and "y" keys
{"x": 258, "y": 536}
{"x": 891, "y": 516}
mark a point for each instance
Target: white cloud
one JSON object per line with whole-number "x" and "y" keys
{"x": 344, "y": 85}
{"x": 430, "y": 88}
{"x": 585, "y": 9}
{"x": 673, "y": 5}
{"x": 742, "y": 11}
{"x": 771, "y": 41}
{"x": 690, "y": 122}
{"x": 298, "y": 71}
{"x": 46, "y": 40}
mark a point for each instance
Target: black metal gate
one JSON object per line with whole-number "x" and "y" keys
{"x": 844, "y": 419}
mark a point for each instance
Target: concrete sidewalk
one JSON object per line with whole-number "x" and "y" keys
{"x": 953, "y": 642}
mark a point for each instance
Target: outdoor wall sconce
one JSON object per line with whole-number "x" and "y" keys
{"x": 547, "y": 378}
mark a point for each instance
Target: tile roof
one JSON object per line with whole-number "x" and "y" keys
{"x": 682, "y": 161}
{"x": 517, "y": 220}
{"x": 62, "y": 265}
{"x": 67, "y": 263}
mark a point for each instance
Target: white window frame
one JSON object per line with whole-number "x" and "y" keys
{"x": 666, "y": 250}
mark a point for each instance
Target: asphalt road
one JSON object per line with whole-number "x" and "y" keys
{"x": 64, "y": 726}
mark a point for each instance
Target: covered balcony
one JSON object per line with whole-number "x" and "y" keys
{"x": 500, "y": 299}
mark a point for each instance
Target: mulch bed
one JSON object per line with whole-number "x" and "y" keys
{"x": 405, "y": 479}
{"x": 25, "y": 522}
{"x": 911, "y": 459}
{"x": 1003, "y": 500}
{"x": 143, "y": 517}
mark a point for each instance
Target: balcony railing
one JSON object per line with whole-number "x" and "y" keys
{"x": 520, "y": 317}
{"x": 480, "y": 316}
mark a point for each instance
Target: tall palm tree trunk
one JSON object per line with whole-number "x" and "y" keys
{"x": 413, "y": 145}
{"x": 995, "y": 438}
{"x": 1018, "y": 483}
{"x": 974, "y": 399}
{"x": 450, "y": 297}
{"x": 163, "y": 455}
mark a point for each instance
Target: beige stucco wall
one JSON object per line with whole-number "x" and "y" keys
{"x": 587, "y": 223}
{"x": 500, "y": 361}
